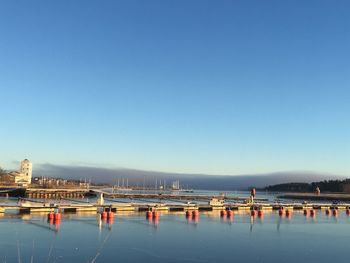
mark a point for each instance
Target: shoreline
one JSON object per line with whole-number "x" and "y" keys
{"x": 314, "y": 197}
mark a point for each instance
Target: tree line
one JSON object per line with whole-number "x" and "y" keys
{"x": 333, "y": 186}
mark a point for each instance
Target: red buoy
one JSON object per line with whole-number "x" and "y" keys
{"x": 348, "y": 211}
{"x": 149, "y": 214}
{"x": 305, "y": 212}
{"x": 260, "y": 213}
{"x": 155, "y": 214}
{"x": 335, "y": 212}
{"x": 110, "y": 215}
{"x": 253, "y": 213}
{"x": 312, "y": 212}
{"x": 229, "y": 213}
{"x": 195, "y": 213}
{"x": 188, "y": 214}
{"x": 57, "y": 216}
{"x": 104, "y": 215}
{"x": 288, "y": 213}
{"x": 327, "y": 212}
{"x": 280, "y": 212}
{"x": 223, "y": 213}
{"x": 50, "y": 215}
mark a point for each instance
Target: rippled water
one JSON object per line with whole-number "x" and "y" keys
{"x": 132, "y": 238}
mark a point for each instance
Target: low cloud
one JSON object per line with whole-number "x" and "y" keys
{"x": 197, "y": 181}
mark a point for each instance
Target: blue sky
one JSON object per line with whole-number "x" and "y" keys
{"x": 220, "y": 87}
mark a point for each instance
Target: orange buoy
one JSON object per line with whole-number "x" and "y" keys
{"x": 155, "y": 214}
{"x": 223, "y": 213}
{"x": 57, "y": 216}
{"x": 260, "y": 213}
{"x": 50, "y": 215}
{"x": 149, "y": 214}
{"x": 104, "y": 215}
{"x": 229, "y": 213}
{"x": 110, "y": 215}
{"x": 188, "y": 214}
{"x": 305, "y": 212}
{"x": 195, "y": 213}
{"x": 288, "y": 213}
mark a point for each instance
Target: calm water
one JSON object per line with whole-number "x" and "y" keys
{"x": 132, "y": 238}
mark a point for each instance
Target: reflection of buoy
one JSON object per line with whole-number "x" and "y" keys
{"x": 110, "y": 220}
{"x": 156, "y": 220}
{"x": 305, "y": 212}
{"x": 223, "y": 213}
{"x": 50, "y": 221}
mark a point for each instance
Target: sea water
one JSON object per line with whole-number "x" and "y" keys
{"x": 173, "y": 238}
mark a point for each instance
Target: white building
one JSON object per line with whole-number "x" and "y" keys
{"x": 26, "y": 169}
{"x": 24, "y": 176}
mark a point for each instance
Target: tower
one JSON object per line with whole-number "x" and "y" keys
{"x": 26, "y": 170}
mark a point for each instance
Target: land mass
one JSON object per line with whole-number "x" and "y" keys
{"x": 328, "y": 186}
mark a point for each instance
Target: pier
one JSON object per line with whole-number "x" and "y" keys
{"x": 73, "y": 207}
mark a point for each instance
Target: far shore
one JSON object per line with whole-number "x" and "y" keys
{"x": 315, "y": 197}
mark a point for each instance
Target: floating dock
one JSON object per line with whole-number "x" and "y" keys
{"x": 141, "y": 207}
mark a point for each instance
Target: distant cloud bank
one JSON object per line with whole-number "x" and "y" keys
{"x": 196, "y": 181}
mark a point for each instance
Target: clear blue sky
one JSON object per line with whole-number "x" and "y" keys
{"x": 221, "y": 87}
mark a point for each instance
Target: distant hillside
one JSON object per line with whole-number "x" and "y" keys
{"x": 332, "y": 186}
{"x": 196, "y": 181}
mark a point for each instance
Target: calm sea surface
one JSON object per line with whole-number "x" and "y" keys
{"x": 132, "y": 238}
